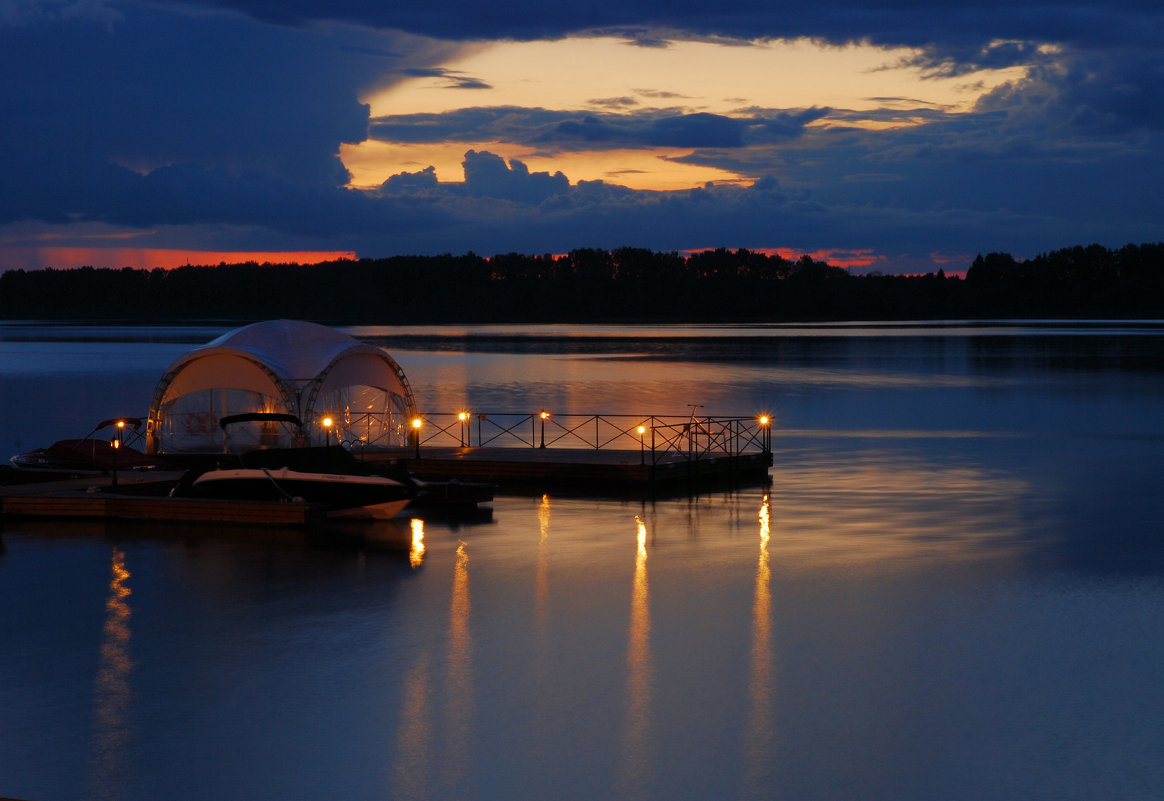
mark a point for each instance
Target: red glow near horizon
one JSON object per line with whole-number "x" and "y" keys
{"x": 65, "y": 258}
{"x": 836, "y": 258}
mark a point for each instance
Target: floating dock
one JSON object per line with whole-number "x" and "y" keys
{"x": 583, "y": 472}
{"x": 462, "y": 471}
{"x": 144, "y": 497}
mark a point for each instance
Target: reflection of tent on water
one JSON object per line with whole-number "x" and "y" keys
{"x": 285, "y": 366}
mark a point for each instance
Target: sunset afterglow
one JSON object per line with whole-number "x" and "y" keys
{"x": 875, "y": 88}
{"x": 909, "y": 136}
{"x": 63, "y": 258}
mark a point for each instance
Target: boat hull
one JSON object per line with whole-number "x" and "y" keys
{"x": 346, "y": 496}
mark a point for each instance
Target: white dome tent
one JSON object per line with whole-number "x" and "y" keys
{"x": 310, "y": 371}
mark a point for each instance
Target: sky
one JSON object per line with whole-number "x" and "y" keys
{"x": 891, "y": 137}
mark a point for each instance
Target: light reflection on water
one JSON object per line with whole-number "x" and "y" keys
{"x": 635, "y": 761}
{"x": 759, "y": 733}
{"x": 112, "y": 692}
{"x": 953, "y": 589}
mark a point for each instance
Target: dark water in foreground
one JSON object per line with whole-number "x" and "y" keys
{"x": 953, "y": 589}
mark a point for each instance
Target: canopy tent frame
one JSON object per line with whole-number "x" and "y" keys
{"x": 290, "y": 366}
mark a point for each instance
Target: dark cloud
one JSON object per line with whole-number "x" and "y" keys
{"x": 215, "y": 130}
{"x": 452, "y": 78}
{"x": 942, "y": 23}
{"x": 568, "y": 130}
{"x": 613, "y": 102}
{"x": 486, "y": 175}
{"x": 153, "y": 90}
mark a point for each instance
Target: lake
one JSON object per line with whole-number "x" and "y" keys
{"x": 952, "y": 589}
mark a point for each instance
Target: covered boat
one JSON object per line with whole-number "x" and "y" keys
{"x": 343, "y": 390}
{"x": 327, "y": 475}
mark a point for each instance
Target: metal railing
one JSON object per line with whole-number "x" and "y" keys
{"x": 654, "y": 436}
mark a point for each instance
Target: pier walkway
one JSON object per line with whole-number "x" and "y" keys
{"x": 539, "y": 452}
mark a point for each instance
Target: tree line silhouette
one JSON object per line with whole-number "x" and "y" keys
{"x": 590, "y": 285}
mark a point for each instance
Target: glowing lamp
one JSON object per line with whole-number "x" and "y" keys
{"x": 543, "y": 414}
{"x": 464, "y": 418}
{"x": 766, "y": 434}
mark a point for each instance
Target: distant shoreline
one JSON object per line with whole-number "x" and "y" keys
{"x": 623, "y": 287}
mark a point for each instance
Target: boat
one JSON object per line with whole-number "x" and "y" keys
{"x": 327, "y": 475}
{"x": 346, "y": 496}
{"x": 89, "y": 455}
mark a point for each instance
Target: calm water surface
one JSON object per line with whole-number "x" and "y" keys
{"x": 953, "y": 589}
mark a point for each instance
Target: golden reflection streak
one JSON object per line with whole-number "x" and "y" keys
{"x": 414, "y": 740}
{"x": 459, "y": 689}
{"x": 540, "y": 676}
{"x": 541, "y": 582}
{"x": 760, "y": 735}
{"x": 111, "y": 692}
{"x": 416, "y": 549}
{"x": 634, "y": 762}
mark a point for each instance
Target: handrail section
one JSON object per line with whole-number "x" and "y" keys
{"x": 656, "y": 436}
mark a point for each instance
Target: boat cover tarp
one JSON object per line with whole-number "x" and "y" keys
{"x": 288, "y": 366}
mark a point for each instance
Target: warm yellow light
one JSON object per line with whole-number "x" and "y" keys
{"x": 764, "y": 420}
{"x": 642, "y": 430}
{"x": 416, "y": 422}
{"x": 121, "y": 424}
{"x": 462, "y": 416}
{"x": 544, "y": 414}
{"x": 327, "y": 422}
{"x": 416, "y": 551}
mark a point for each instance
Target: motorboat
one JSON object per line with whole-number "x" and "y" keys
{"x": 355, "y": 496}
{"x": 90, "y": 455}
{"x": 327, "y": 475}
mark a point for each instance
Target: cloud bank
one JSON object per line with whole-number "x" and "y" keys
{"x": 217, "y": 125}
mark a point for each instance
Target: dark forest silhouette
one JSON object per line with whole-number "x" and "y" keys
{"x": 589, "y": 285}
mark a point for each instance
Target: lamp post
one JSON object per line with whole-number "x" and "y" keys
{"x": 642, "y": 445}
{"x": 543, "y": 414}
{"x": 327, "y": 423}
{"x": 463, "y": 416}
{"x": 766, "y": 432}
{"x": 116, "y": 443}
{"x": 416, "y": 424}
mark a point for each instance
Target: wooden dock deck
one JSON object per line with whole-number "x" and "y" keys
{"x": 582, "y": 471}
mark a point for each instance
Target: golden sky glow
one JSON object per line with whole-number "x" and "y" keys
{"x": 606, "y": 74}
{"x": 370, "y": 163}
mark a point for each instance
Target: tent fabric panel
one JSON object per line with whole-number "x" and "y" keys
{"x": 190, "y": 422}
{"x": 294, "y": 349}
{"x": 223, "y": 370}
{"x": 365, "y": 369}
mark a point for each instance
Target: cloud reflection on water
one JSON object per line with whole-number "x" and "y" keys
{"x": 851, "y": 505}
